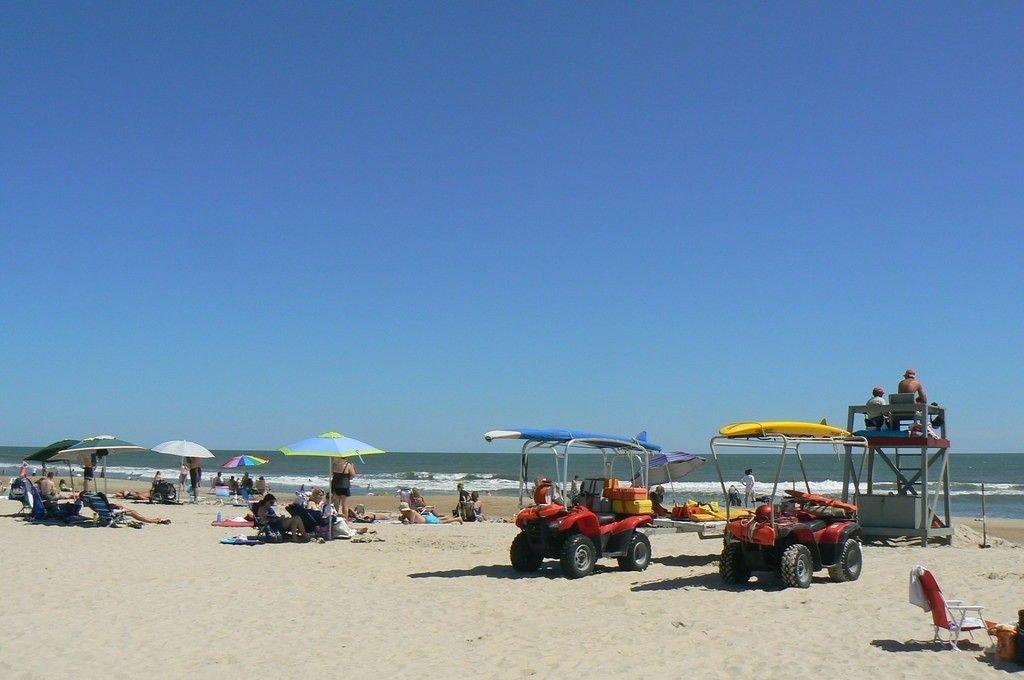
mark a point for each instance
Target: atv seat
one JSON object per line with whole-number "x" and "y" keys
{"x": 606, "y": 518}
{"x": 814, "y": 525}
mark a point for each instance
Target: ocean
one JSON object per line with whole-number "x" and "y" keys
{"x": 498, "y": 473}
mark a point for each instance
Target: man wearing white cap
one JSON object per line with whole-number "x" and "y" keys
{"x": 877, "y": 399}
{"x": 911, "y": 384}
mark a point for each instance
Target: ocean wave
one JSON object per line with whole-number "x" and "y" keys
{"x": 486, "y": 482}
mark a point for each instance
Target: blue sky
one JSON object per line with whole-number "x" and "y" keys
{"x": 246, "y": 223}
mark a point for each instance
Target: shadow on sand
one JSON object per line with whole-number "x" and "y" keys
{"x": 549, "y": 570}
{"x": 686, "y": 560}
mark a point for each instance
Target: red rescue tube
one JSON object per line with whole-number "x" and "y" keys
{"x": 820, "y": 500}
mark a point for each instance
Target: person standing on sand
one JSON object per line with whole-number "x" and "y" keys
{"x": 88, "y": 467}
{"x": 910, "y": 384}
{"x": 342, "y": 474}
{"x": 182, "y": 476}
{"x": 747, "y": 480}
{"x": 195, "y": 475}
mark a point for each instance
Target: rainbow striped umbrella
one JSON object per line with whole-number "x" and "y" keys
{"x": 245, "y": 460}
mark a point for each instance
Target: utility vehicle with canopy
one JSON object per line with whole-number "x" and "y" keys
{"x": 798, "y": 532}
{"x": 601, "y": 520}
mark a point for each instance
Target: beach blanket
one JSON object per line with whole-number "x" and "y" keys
{"x": 240, "y": 540}
{"x": 232, "y": 523}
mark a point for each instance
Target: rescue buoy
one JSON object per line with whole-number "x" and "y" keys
{"x": 815, "y": 499}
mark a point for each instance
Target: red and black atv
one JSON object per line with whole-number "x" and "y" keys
{"x": 598, "y": 522}
{"x": 804, "y": 533}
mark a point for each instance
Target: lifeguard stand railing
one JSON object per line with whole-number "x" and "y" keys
{"x": 904, "y": 490}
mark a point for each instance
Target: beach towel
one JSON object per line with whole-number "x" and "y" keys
{"x": 917, "y": 596}
{"x": 232, "y": 523}
{"x": 240, "y": 540}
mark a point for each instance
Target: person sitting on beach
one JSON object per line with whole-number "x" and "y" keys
{"x": 265, "y": 516}
{"x": 233, "y": 486}
{"x": 410, "y": 516}
{"x": 157, "y": 478}
{"x": 316, "y": 499}
{"x": 417, "y": 502}
{"x": 64, "y": 486}
{"x": 47, "y": 489}
{"x": 657, "y": 502}
{"x": 261, "y": 486}
{"x": 475, "y": 509}
{"x": 734, "y": 496}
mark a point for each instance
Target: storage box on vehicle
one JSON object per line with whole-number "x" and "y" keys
{"x": 627, "y": 493}
{"x": 641, "y": 507}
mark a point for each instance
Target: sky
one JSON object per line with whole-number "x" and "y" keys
{"x": 244, "y": 223}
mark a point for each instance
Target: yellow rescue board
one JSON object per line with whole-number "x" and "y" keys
{"x": 789, "y": 428}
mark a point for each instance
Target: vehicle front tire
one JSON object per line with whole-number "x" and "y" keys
{"x": 797, "y": 566}
{"x": 578, "y": 556}
{"x": 732, "y": 567}
{"x": 522, "y": 555}
{"x": 851, "y": 561}
{"x": 638, "y": 555}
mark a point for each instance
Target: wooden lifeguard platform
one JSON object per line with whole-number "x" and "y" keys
{"x": 911, "y": 460}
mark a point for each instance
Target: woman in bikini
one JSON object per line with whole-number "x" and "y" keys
{"x": 343, "y": 472}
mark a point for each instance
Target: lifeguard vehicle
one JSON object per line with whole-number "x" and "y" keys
{"x": 603, "y": 519}
{"x": 797, "y": 532}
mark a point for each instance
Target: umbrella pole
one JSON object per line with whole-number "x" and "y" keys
{"x": 330, "y": 500}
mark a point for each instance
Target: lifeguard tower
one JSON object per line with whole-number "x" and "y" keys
{"x": 905, "y": 489}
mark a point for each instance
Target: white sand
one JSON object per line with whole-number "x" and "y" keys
{"x": 442, "y": 601}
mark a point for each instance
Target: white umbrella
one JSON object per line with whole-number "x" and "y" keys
{"x": 183, "y": 448}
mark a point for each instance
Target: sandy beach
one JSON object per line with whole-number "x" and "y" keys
{"x": 442, "y": 601}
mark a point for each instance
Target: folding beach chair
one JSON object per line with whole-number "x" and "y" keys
{"x": 105, "y": 515}
{"x": 949, "y": 615}
{"x": 20, "y": 491}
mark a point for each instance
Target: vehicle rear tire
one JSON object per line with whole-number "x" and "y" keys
{"x": 638, "y": 554}
{"x": 578, "y": 556}
{"x": 797, "y": 566}
{"x": 851, "y": 561}
{"x": 522, "y": 555}
{"x": 732, "y": 567}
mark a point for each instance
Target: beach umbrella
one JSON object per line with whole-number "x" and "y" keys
{"x": 99, "y": 446}
{"x": 245, "y": 460}
{"x": 331, "y": 445}
{"x": 46, "y": 454}
{"x": 183, "y": 449}
{"x": 664, "y": 468}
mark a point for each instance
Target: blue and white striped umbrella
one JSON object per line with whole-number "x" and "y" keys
{"x": 671, "y": 466}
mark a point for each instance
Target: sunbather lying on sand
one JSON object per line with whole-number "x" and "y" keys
{"x": 138, "y": 515}
{"x": 410, "y": 516}
{"x": 132, "y": 495}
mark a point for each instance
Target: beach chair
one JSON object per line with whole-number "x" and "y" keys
{"x": 949, "y": 615}
{"x": 21, "y": 491}
{"x": 105, "y": 515}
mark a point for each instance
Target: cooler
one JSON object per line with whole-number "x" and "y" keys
{"x": 640, "y": 507}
